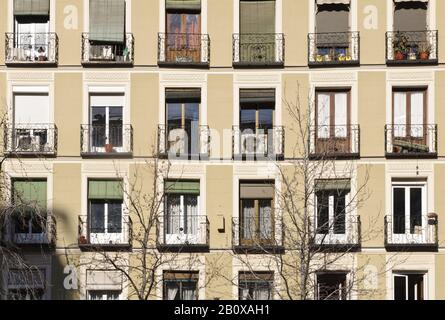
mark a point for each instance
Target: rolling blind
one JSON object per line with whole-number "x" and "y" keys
{"x": 183, "y": 4}
{"x": 31, "y": 7}
{"x": 105, "y": 189}
{"x": 107, "y": 20}
{"x": 257, "y": 16}
{"x": 30, "y": 193}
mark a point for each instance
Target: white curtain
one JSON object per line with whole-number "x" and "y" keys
{"x": 417, "y": 114}
{"x": 400, "y": 114}
{"x": 172, "y": 290}
{"x": 324, "y": 105}
{"x": 248, "y": 220}
{"x": 265, "y": 221}
{"x": 261, "y": 293}
{"x": 173, "y": 214}
{"x": 188, "y": 293}
{"x": 341, "y": 113}
{"x": 191, "y": 220}
{"x": 244, "y": 294}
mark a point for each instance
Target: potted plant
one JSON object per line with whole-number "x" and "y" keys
{"x": 108, "y": 147}
{"x": 83, "y": 240}
{"x": 424, "y": 51}
{"x": 400, "y": 46}
{"x": 432, "y": 218}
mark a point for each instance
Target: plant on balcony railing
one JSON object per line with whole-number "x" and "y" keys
{"x": 334, "y": 141}
{"x": 406, "y": 140}
{"x": 189, "y": 141}
{"x": 183, "y": 49}
{"x": 258, "y": 49}
{"x": 258, "y": 144}
{"x": 31, "y": 139}
{"x": 183, "y": 232}
{"x": 31, "y": 48}
{"x": 334, "y": 48}
{"x": 412, "y": 47}
{"x": 99, "y": 52}
{"x": 118, "y": 234}
{"x": 107, "y": 140}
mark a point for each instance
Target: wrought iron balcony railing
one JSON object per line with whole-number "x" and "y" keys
{"x": 334, "y": 48}
{"x": 45, "y": 237}
{"x": 31, "y": 49}
{"x": 258, "y": 144}
{"x": 334, "y": 141}
{"x": 412, "y": 47}
{"x": 344, "y": 234}
{"x": 265, "y": 49}
{"x": 106, "y": 140}
{"x": 257, "y": 235}
{"x": 411, "y": 140}
{"x": 184, "y": 142}
{"x": 99, "y": 53}
{"x": 183, "y": 233}
{"x": 406, "y": 232}
{"x": 114, "y": 235}
{"x": 183, "y": 49}
{"x": 30, "y": 139}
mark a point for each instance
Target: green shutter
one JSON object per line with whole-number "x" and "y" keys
{"x": 332, "y": 184}
{"x": 183, "y": 4}
{"x": 31, "y": 7}
{"x": 257, "y": 16}
{"x": 105, "y": 189}
{"x": 32, "y": 193}
{"x": 107, "y": 20}
{"x": 182, "y": 187}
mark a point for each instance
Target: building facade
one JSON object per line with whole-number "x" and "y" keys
{"x": 208, "y": 86}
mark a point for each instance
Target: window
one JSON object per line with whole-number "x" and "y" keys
{"x": 256, "y": 213}
{"x": 331, "y": 286}
{"x": 105, "y": 198}
{"x": 26, "y": 284}
{"x": 410, "y": 15}
{"x": 182, "y": 212}
{"x": 255, "y": 286}
{"x": 106, "y": 121}
{"x": 182, "y": 118}
{"x": 29, "y": 199}
{"x": 31, "y": 30}
{"x": 183, "y": 28}
{"x": 103, "y": 295}
{"x": 332, "y": 197}
{"x": 409, "y": 211}
{"x": 409, "y": 286}
{"x": 180, "y": 285}
{"x": 104, "y": 284}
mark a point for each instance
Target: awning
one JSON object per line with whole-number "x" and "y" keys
{"x": 257, "y": 191}
{"x": 26, "y": 278}
{"x": 319, "y": 2}
{"x": 182, "y": 187}
{"x": 104, "y": 280}
{"x": 31, "y": 7}
{"x": 257, "y": 95}
{"x": 183, "y": 4}
{"x": 107, "y": 20}
{"x": 105, "y": 189}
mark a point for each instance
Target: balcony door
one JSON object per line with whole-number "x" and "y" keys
{"x": 332, "y": 286}
{"x": 181, "y": 222}
{"x": 409, "y": 210}
{"x": 409, "y": 286}
{"x": 333, "y": 122}
{"x": 332, "y": 198}
{"x": 183, "y": 31}
{"x": 409, "y": 121}
{"x": 106, "y": 122}
{"x": 105, "y": 210}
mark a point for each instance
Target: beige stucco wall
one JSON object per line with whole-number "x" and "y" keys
{"x": 68, "y": 112}
{"x": 69, "y": 39}
{"x": 219, "y": 276}
{"x": 3, "y": 104}
{"x": 3, "y": 27}
{"x": 220, "y": 32}
{"x": 295, "y": 31}
{"x": 145, "y": 28}
{"x": 439, "y": 109}
{"x": 440, "y": 25}
{"x": 372, "y": 113}
{"x": 440, "y": 276}
{"x": 220, "y": 114}
{"x": 371, "y": 276}
{"x": 144, "y": 112}
{"x": 439, "y": 205}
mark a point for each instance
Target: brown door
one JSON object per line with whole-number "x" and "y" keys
{"x": 183, "y": 37}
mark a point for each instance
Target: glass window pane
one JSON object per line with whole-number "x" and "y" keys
{"x": 172, "y": 290}
{"x": 97, "y": 217}
{"x": 340, "y": 213}
{"x": 174, "y": 115}
{"x": 189, "y": 290}
{"x": 173, "y": 214}
{"x": 115, "y": 126}
{"x": 322, "y": 212}
{"x": 399, "y": 211}
{"x": 248, "y": 120}
{"x": 98, "y": 132}
{"x": 247, "y": 223}
{"x": 114, "y": 217}
{"x": 265, "y": 119}
{"x": 191, "y": 217}
{"x": 265, "y": 219}
{"x": 416, "y": 210}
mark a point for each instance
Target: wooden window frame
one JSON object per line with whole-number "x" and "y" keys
{"x": 256, "y": 238}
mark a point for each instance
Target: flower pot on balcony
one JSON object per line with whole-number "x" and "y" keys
{"x": 108, "y": 148}
{"x": 424, "y": 55}
{"x": 432, "y": 218}
{"x": 83, "y": 240}
{"x": 399, "y": 55}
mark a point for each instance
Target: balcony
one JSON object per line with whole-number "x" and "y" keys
{"x": 184, "y": 142}
{"x": 251, "y": 236}
{"x": 189, "y": 233}
{"x": 401, "y": 234}
{"x": 118, "y": 237}
{"x": 31, "y": 49}
{"x": 114, "y": 141}
{"x": 30, "y": 140}
{"x": 259, "y": 144}
{"x": 183, "y": 49}
{"x": 334, "y": 142}
{"x": 339, "y": 236}
{"x": 333, "y": 49}
{"x": 96, "y": 54}
{"x": 258, "y": 50}
{"x": 46, "y": 237}
{"x": 412, "y": 47}
{"x": 414, "y": 141}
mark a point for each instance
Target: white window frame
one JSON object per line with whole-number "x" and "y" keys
{"x": 405, "y": 274}
{"x": 106, "y": 237}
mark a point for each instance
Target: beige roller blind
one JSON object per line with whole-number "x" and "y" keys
{"x": 183, "y": 4}
{"x": 31, "y": 7}
{"x": 410, "y": 16}
{"x": 257, "y": 191}
{"x": 257, "y": 16}
{"x": 107, "y": 20}
{"x": 104, "y": 280}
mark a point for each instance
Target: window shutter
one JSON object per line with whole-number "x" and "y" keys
{"x": 182, "y": 187}
{"x": 257, "y": 16}
{"x": 257, "y": 191}
{"x": 332, "y": 184}
{"x": 181, "y": 276}
{"x": 417, "y": 114}
{"x": 257, "y": 95}
{"x": 107, "y": 20}
{"x": 183, "y": 5}
{"x": 31, "y": 7}
{"x": 31, "y": 193}
{"x": 105, "y": 190}
{"x": 182, "y": 94}
{"x": 332, "y": 18}
{"x": 399, "y": 114}
{"x": 410, "y": 16}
